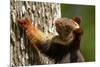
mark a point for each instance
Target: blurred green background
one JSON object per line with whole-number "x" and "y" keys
{"x": 87, "y": 13}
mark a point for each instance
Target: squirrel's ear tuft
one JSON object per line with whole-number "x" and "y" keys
{"x": 77, "y": 19}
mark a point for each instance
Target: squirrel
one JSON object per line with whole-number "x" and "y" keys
{"x": 64, "y": 47}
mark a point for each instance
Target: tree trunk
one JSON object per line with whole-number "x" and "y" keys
{"x": 42, "y": 15}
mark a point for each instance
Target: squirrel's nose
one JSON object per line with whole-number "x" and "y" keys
{"x": 57, "y": 21}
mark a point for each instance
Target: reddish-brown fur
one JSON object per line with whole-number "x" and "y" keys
{"x": 55, "y": 50}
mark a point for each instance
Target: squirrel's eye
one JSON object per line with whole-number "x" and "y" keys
{"x": 68, "y": 27}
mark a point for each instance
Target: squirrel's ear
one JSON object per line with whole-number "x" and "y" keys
{"x": 77, "y": 19}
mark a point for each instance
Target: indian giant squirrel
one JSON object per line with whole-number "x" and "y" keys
{"x": 62, "y": 48}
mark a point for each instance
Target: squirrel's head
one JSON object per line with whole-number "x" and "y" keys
{"x": 65, "y": 26}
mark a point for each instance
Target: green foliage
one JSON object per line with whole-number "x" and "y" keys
{"x": 87, "y": 13}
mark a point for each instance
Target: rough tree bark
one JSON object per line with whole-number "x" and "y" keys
{"x": 43, "y": 16}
